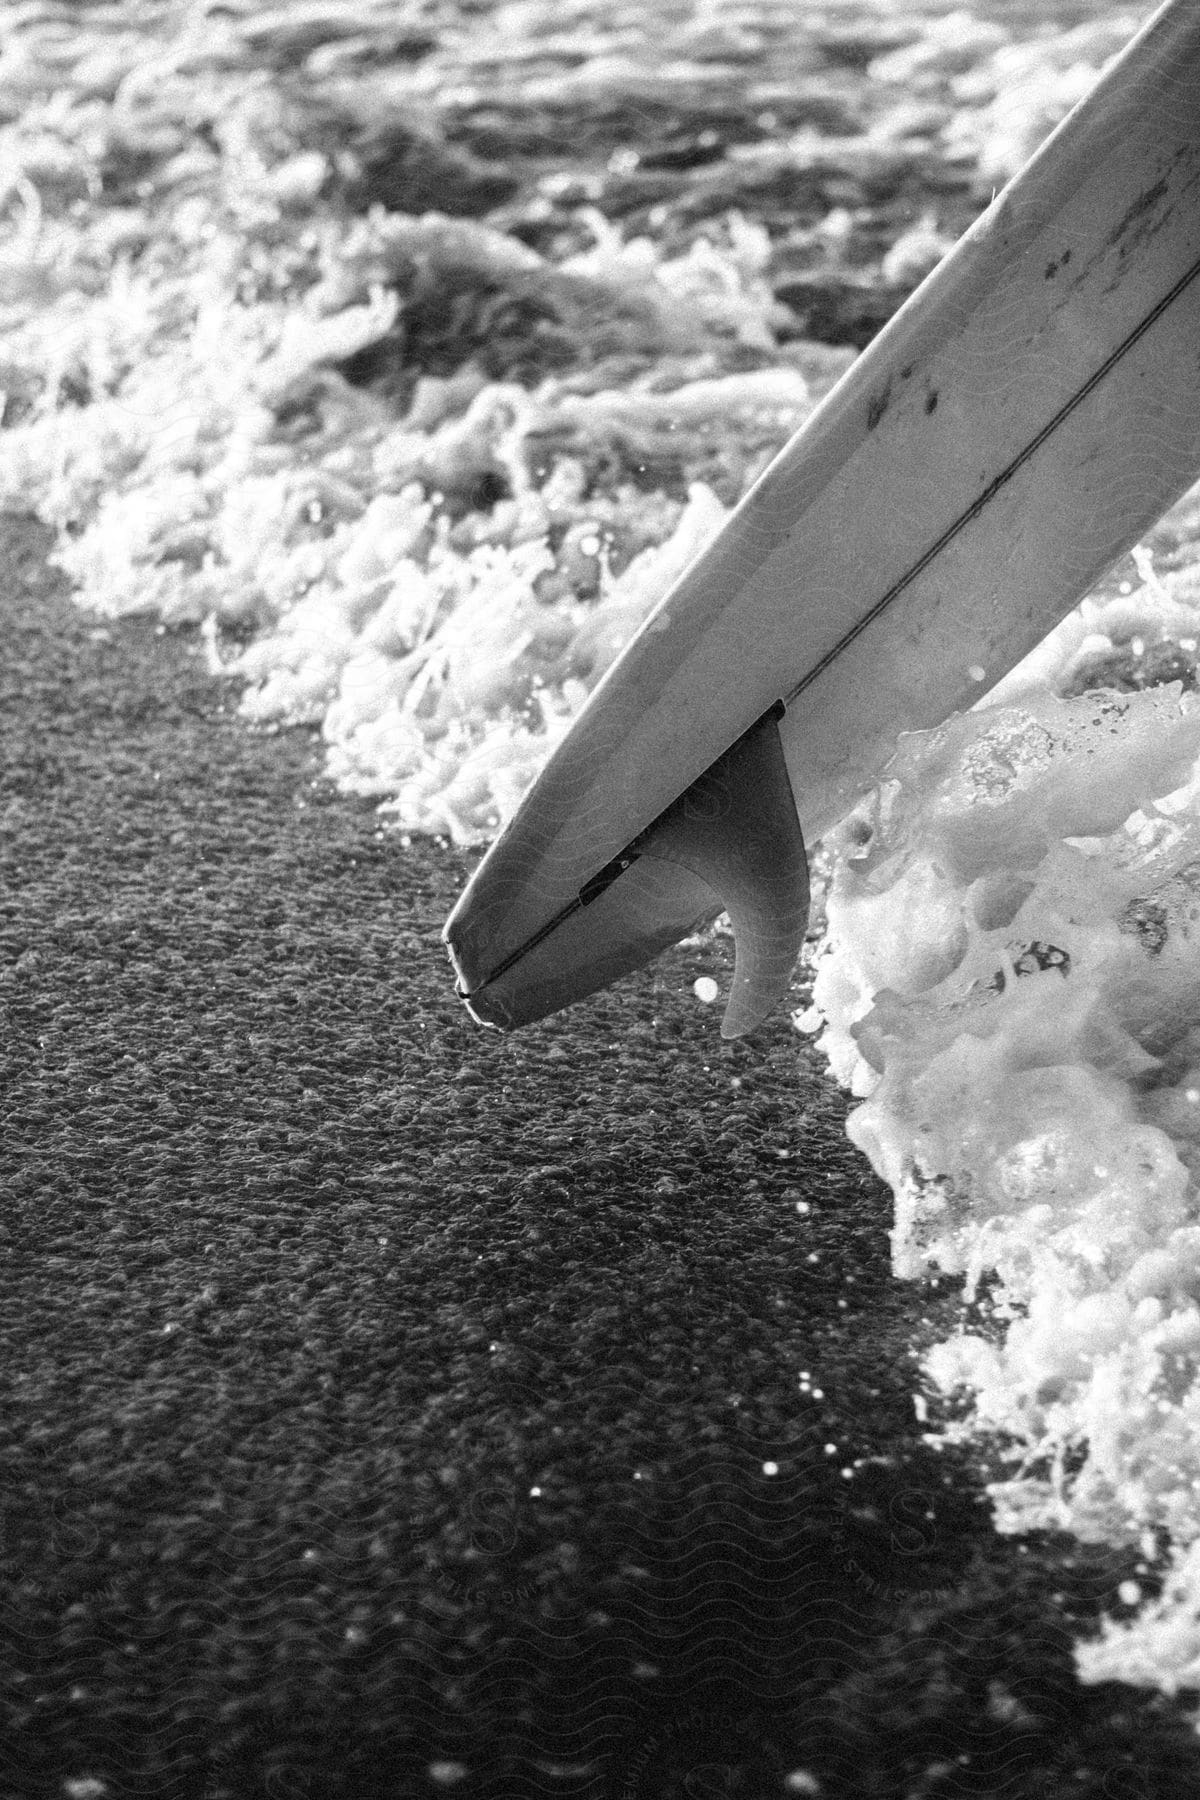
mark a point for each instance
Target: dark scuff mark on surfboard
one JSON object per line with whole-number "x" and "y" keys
{"x": 1148, "y": 198}
{"x": 931, "y": 400}
{"x": 1056, "y": 263}
{"x": 877, "y": 405}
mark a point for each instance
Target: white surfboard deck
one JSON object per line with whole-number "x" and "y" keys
{"x": 1031, "y": 409}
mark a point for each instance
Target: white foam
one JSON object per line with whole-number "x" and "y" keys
{"x": 1009, "y": 983}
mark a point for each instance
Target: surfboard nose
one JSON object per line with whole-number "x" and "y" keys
{"x": 731, "y": 842}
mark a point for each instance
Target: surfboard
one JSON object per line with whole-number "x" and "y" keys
{"x": 1023, "y": 418}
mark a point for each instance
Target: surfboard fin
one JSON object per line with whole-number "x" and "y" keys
{"x": 736, "y": 827}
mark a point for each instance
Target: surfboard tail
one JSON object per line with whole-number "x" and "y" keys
{"x": 730, "y": 843}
